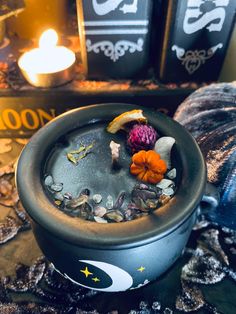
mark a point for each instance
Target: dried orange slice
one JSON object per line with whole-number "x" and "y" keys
{"x": 126, "y": 117}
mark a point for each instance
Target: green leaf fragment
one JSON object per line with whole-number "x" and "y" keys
{"x": 71, "y": 156}
{"x": 89, "y": 146}
{"x": 78, "y": 150}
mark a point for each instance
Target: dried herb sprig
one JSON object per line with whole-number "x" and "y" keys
{"x": 75, "y": 156}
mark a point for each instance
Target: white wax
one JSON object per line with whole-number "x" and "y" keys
{"x": 45, "y": 61}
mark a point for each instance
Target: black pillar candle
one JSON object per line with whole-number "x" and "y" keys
{"x": 114, "y": 37}
{"x": 195, "y": 39}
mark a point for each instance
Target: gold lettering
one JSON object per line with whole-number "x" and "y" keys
{"x": 11, "y": 119}
{"x": 43, "y": 115}
{"x": 30, "y": 119}
{"x": 2, "y": 125}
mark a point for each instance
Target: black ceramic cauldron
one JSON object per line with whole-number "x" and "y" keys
{"x": 113, "y": 256}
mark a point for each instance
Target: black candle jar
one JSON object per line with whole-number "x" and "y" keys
{"x": 114, "y": 37}
{"x": 110, "y": 257}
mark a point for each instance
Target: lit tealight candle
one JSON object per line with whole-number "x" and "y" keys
{"x": 48, "y": 65}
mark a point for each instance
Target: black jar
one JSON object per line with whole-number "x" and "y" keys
{"x": 123, "y": 255}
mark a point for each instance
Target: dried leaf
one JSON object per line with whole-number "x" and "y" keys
{"x": 5, "y": 145}
{"x": 72, "y": 154}
{"x": 72, "y": 158}
{"x": 78, "y": 150}
{"x": 8, "y": 169}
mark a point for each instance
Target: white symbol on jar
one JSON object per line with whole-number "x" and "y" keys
{"x": 193, "y": 59}
{"x": 195, "y": 19}
{"x": 121, "y": 280}
{"x": 111, "y": 5}
{"x": 117, "y": 50}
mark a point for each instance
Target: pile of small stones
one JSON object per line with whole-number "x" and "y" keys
{"x": 93, "y": 207}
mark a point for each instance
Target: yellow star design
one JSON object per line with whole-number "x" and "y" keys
{"x": 141, "y": 269}
{"x": 95, "y": 279}
{"x": 86, "y": 272}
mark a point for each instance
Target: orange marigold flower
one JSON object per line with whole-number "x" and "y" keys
{"x": 148, "y": 166}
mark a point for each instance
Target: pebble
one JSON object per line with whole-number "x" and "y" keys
{"x": 143, "y": 186}
{"x": 100, "y": 211}
{"x": 152, "y": 204}
{"x": 83, "y": 212}
{"x": 115, "y": 215}
{"x": 56, "y": 187}
{"x": 163, "y": 147}
{"x": 168, "y": 191}
{"x": 97, "y": 198}
{"x": 120, "y": 200}
{"x": 165, "y": 183}
{"x": 90, "y": 207}
{"x": 128, "y": 214}
{"x": 58, "y": 196}
{"x": 100, "y": 220}
{"x": 76, "y": 202}
{"x": 172, "y": 173}
{"x": 68, "y": 196}
{"x": 109, "y": 202}
{"x": 48, "y": 180}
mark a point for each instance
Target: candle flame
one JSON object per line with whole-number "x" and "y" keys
{"x": 47, "y": 59}
{"x": 48, "y": 39}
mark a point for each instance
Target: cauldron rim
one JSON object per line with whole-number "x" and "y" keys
{"x": 110, "y": 236}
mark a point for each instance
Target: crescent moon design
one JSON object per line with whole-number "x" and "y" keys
{"x": 121, "y": 280}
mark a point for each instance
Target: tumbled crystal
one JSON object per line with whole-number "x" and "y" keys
{"x": 172, "y": 174}
{"x": 76, "y": 202}
{"x": 168, "y": 191}
{"x": 100, "y": 211}
{"x": 58, "y": 196}
{"x": 56, "y": 187}
{"x": 115, "y": 215}
{"x": 165, "y": 183}
{"x": 48, "y": 181}
{"x": 97, "y": 198}
{"x": 100, "y": 220}
{"x": 109, "y": 202}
